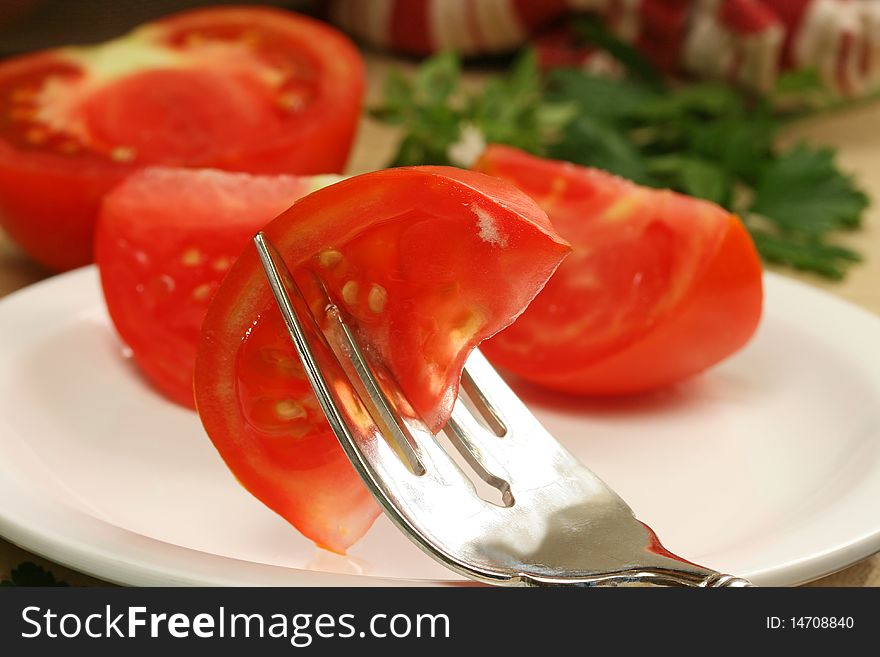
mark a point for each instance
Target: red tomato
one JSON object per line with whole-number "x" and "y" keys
{"x": 659, "y": 286}
{"x": 164, "y": 240}
{"x": 427, "y": 262}
{"x": 241, "y": 88}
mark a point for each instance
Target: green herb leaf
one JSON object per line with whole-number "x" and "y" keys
{"x": 800, "y": 81}
{"x": 740, "y": 147}
{"x": 507, "y": 111}
{"x": 590, "y": 141}
{"x": 30, "y": 574}
{"x": 693, "y": 175}
{"x": 695, "y": 102}
{"x": 803, "y": 192}
{"x": 616, "y": 101}
{"x": 438, "y": 77}
{"x": 592, "y": 31}
{"x": 807, "y": 254}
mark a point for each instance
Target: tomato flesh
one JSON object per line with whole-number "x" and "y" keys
{"x": 238, "y": 88}
{"x": 658, "y": 287}
{"x": 426, "y": 262}
{"x": 138, "y": 114}
{"x": 164, "y": 241}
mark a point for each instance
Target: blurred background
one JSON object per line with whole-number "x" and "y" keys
{"x": 27, "y": 25}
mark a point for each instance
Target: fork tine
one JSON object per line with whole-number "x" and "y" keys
{"x": 343, "y": 408}
{"x": 396, "y": 414}
{"x": 508, "y": 438}
{"x": 356, "y": 406}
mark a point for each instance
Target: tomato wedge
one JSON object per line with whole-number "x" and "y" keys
{"x": 659, "y": 286}
{"x": 249, "y": 89}
{"x": 426, "y": 262}
{"x": 165, "y": 239}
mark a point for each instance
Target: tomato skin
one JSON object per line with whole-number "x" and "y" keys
{"x": 164, "y": 240}
{"x": 50, "y": 210}
{"x": 440, "y": 242}
{"x": 51, "y": 185}
{"x": 705, "y": 305}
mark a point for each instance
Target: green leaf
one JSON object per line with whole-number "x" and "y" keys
{"x": 692, "y": 175}
{"x": 616, "y": 101}
{"x": 512, "y": 109}
{"x": 802, "y": 191}
{"x": 699, "y": 101}
{"x": 592, "y": 142}
{"x": 30, "y": 574}
{"x": 806, "y": 254}
{"x": 423, "y": 107}
{"x": 592, "y": 31}
{"x": 736, "y": 145}
{"x": 398, "y": 90}
{"x": 437, "y": 78}
{"x": 800, "y": 81}
{"x": 524, "y": 78}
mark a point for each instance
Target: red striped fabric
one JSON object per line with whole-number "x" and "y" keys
{"x": 409, "y": 30}
{"x": 746, "y": 41}
{"x": 663, "y": 25}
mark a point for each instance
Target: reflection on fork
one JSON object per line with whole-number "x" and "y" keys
{"x": 556, "y": 523}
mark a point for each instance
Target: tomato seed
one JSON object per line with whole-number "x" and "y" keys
{"x": 123, "y": 154}
{"x": 285, "y": 363}
{"x": 329, "y": 258}
{"x": 292, "y": 101}
{"x": 250, "y": 38}
{"x": 202, "y": 292}
{"x": 159, "y": 288}
{"x": 350, "y": 292}
{"x": 195, "y": 39}
{"x": 36, "y": 136}
{"x": 221, "y": 264}
{"x": 376, "y": 298}
{"x": 467, "y": 327}
{"x": 69, "y": 147}
{"x": 288, "y": 409}
{"x": 192, "y": 257}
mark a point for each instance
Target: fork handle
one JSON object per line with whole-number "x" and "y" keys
{"x": 676, "y": 578}
{"x": 660, "y": 577}
{"x": 729, "y": 581}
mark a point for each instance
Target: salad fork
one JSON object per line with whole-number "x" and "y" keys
{"x": 555, "y": 522}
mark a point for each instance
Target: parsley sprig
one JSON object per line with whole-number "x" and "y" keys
{"x": 433, "y": 110}
{"x": 708, "y": 140}
{"x": 30, "y": 574}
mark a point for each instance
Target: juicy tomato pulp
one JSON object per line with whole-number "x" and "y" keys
{"x": 244, "y": 89}
{"x": 164, "y": 241}
{"x": 426, "y": 262}
{"x": 659, "y": 286}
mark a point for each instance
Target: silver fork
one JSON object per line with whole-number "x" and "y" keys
{"x": 556, "y": 523}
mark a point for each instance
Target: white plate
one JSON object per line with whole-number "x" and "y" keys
{"x": 767, "y": 467}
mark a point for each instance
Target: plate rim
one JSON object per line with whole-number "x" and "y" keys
{"x": 156, "y": 562}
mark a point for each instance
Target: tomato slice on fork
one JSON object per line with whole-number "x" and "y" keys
{"x": 426, "y": 262}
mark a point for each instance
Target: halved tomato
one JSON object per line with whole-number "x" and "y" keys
{"x": 165, "y": 239}
{"x": 241, "y": 88}
{"x": 426, "y": 262}
{"x": 659, "y": 285}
